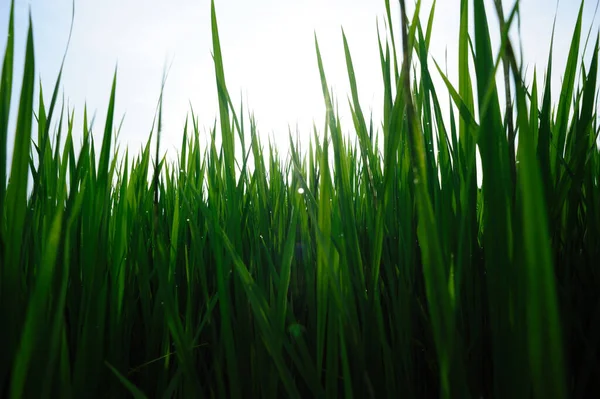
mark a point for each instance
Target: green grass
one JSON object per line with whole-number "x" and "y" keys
{"x": 389, "y": 274}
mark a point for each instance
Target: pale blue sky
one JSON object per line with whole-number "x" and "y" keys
{"x": 268, "y": 50}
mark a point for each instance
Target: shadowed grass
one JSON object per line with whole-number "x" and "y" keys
{"x": 342, "y": 270}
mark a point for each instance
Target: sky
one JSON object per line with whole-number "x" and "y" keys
{"x": 268, "y": 51}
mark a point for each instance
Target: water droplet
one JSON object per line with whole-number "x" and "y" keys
{"x": 300, "y": 191}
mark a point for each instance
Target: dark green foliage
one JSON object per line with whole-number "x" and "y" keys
{"x": 345, "y": 271}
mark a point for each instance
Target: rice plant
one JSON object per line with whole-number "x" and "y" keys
{"x": 368, "y": 266}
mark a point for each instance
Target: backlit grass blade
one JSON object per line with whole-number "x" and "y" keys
{"x": 430, "y": 21}
{"x": 545, "y": 137}
{"x": 13, "y": 297}
{"x": 436, "y": 286}
{"x": 360, "y": 125}
{"x": 354, "y": 257}
{"x": 566, "y": 96}
{"x": 103, "y": 164}
{"x": 498, "y": 235}
{"x": 6, "y": 90}
{"x": 508, "y": 112}
{"x": 227, "y": 134}
{"x": 393, "y": 46}
{"x": 341, "y": 269}
{"x": 543, "y": 324}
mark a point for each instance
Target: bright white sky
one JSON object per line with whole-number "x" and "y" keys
{"x": 268, "y": 50}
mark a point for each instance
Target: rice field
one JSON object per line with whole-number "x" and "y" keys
{"x": 364, "y": 266}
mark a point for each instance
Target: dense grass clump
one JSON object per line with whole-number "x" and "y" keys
{"x": 345, "y": 271}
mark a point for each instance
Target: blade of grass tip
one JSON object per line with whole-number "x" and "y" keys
{"x": 59, "y": 132}
{"x": 467, "y": 132}
{"x": 184, "y": 145}
{"x": 360, "y": 125}
{"x": 534, "y": 114}
{"x": 430, "y": 24}
{"x": 103, "y": 164}
{"x": 156, "y": 175}
{"x": 387, "y": 85}
{"x": 390, "y": 25}
{"x": 412, "y": 29}
{"x": 589, "y": 94}
{"x": 438, "y": 297}
{"x": 59, "y": 77}
{"x": 158, "y": 164}
{"x": 6, "y": 83}
{"x": 590, "y": 30}
{"x": 465, "y": 110}
{"x": 12, "y": 299}
{"x": 226, "y": 133}
{"x": 545, "y": 134}
{"x": 41, "y": 148}
{"x": 566, "y": 97}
